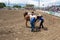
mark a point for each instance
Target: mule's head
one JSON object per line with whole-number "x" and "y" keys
{"x": 26, "y": 16}
{"x": 26, "y": 13}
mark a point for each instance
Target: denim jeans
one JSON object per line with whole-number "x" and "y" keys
{"x": 32, "y": 26}
{"x": 42, "y": 21}
{"x": 32, "y": 22}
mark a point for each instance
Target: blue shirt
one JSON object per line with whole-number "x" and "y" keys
{"x": 41, "y": 18}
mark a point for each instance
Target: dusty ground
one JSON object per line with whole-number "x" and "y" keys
{"x": 12, "y": 27}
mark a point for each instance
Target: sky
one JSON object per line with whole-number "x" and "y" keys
{"x": 43, "y": 3}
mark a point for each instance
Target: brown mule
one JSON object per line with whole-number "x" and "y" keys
{"x": 27, "y": 18}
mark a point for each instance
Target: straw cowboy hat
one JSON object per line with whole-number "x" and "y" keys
{"x": 39, "y": 15}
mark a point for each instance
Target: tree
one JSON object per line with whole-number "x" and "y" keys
{"x": 17, "y": 6}
{"x": 29, "y": 5}
{"x": 2, "y": 5}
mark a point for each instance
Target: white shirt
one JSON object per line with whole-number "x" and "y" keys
{"x": 33, "y": 16}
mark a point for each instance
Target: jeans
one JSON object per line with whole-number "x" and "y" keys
{"x": 32, "y": 26}
{"x": 41, "y": 24}
{"x": 32, "y": 22}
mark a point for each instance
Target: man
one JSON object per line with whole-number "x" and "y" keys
{"x": 32, "y": 21}
{"x": 40, "y": 18}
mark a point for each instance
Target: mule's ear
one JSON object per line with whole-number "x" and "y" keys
{"x": 26, "y": 13}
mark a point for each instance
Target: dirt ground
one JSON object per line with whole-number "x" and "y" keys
{"x": 12, "y": 27}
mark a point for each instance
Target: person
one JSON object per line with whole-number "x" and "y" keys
{"x": 40, "y": 18}
{"x": 32, "y": 21}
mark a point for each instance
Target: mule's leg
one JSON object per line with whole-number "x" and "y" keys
{"x": 26, "y": 23}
